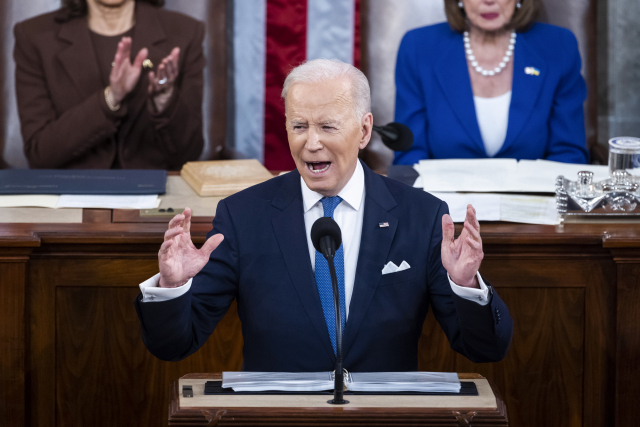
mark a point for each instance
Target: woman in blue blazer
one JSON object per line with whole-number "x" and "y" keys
{"x": 476, "y": 88}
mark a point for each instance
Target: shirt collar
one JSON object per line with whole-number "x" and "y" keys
{"x": 351, "y": 193}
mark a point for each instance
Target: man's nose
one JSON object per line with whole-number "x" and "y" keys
{"x": 314, "y": 142}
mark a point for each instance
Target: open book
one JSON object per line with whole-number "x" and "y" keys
{"x": 437, "y": 382}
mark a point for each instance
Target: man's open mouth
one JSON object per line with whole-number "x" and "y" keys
{"x": 318, "y": 167}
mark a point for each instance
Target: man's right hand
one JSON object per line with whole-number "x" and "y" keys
{"x": 179, "y": 259}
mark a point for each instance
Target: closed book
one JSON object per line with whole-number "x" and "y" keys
{"x": 223, "y": 177}
{"x": 77, "y": 181}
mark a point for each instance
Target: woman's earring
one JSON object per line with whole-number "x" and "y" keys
{"x": 460, "y": 5}
{"x": 518, "y": 5}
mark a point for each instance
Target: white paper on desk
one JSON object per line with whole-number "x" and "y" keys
{"x": 500, "y": 175}
{"x": 29, "y": 201}
{"x": 539, "y": 176}
{"x": 502, "y": 207}
{"x": 487, "y": 206}
{"x": 472, "y": 175}
{"x": 146, "y": 201}
{"x": 528, "y": 209}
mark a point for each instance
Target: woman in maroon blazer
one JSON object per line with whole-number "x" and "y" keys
{"x": 85, "y": 101}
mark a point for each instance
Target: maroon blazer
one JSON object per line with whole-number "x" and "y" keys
{"x": 65, "y": 120}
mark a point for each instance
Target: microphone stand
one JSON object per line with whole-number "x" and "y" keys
{"x": 338, "y": 388}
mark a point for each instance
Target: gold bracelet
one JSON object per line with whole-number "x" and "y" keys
{"x": 106, "y": 98}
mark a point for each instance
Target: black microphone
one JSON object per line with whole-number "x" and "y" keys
{"x": 396, "y": 136}
{"x": 327, "y": 237}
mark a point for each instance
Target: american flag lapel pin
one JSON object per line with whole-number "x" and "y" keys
{"x": 383, "y": 224}
{"x": 532, "y": 71}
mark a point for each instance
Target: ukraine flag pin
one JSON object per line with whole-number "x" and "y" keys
{"x": 532, "y": 71}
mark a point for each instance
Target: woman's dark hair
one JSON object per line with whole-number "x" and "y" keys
{"x": 521, "y": 20}
{"x": 72, "y": 9}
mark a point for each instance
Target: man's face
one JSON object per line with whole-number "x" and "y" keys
{"x": 324, "y": 133}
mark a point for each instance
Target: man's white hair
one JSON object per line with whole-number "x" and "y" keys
{"x": 322, "y": 70}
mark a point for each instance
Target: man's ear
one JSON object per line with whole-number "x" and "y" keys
{"x": 367, "y": 128}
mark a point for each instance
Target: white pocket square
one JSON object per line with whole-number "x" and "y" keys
{"x": 392, "y": 268}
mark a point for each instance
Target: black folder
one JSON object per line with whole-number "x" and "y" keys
{"x": 94, "y": 181}
{"x": 468, "y": 388}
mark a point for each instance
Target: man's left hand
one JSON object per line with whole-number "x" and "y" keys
{"x": 461, "y": 257}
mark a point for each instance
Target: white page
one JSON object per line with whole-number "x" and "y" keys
{"x": 405, "y": 381}
{"x": 487, "y": 206}
{"x": 474, "y": 175}
{"x": 278, "y": 381}
{"x": 528, "y": 209}
{"x": 500, "y": 175}
{"x": 539, "y": 176}
{"x": 29, "y": 201}
{"x": 146, "y": 201}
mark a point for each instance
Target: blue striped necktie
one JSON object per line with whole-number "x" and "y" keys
{"x": 323, "y": 278}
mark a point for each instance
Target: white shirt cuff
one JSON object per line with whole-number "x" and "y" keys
{"x": 151, "y": 292}
{"x": 479, "y": 296}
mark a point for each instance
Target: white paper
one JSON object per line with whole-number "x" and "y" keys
{"x": 528, "y": 209}
{"x": 487, "y": 206}
{"x": 108, "y": 201}
{"x": 361, "y": 381}
{"x": 404, "y": 381}
{"x": 280, "y": 381}
{"x": 499, "y": 175}
{"x": 29, "y": 201}
{"x": 502, "y": 207}
{"x": 479, "y": 175}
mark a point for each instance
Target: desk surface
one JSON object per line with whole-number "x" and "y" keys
{"x": 487, "y": 409}
{"x": 485, "y": 399}
{"x": 606, "y": 235}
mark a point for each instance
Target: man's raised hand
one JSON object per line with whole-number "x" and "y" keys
{"x": 461, "y": 257}
{"x": 178, "y": 257}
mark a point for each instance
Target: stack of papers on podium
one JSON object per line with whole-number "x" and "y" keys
{"x": 435, "y": 382}
{"x": 499, "y": 175}
{"x": 278, "y": 381}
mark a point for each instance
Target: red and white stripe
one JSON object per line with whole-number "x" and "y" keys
{"x": 270, "y": 38}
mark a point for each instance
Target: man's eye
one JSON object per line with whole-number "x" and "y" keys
{"x": 328, "y": 127}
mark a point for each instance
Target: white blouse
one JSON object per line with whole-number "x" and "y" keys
{"x": 493, "y": 119}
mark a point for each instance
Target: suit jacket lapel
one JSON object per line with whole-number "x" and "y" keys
{"x": 79, "y": 59}
{"x": 375, "y": 244}
{"x": 290, "y": 232}
{"x": 453, "y": 77}
{"x": 525, "y": 88}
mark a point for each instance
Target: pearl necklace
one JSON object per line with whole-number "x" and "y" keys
{"x": 500, "y": 67}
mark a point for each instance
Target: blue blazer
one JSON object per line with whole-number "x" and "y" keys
{"x": 434, "y": 97}
{"x": 264, "y": 264}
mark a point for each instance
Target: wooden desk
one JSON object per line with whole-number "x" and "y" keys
{"x": 486, "y": 409}
{"x": 71, "y": 351}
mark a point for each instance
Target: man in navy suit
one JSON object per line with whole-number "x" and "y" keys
{"x": 398, "y": 256}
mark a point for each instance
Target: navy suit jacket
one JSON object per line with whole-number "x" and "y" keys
{"x": 435, "y": 99}
{"x": 264, "y": 264}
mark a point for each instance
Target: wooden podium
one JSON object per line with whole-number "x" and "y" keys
{"x": 486, "y": 409}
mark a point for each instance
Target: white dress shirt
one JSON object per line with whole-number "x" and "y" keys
{"x": 493, "y": 120}
{"x": 349, "y": 215}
